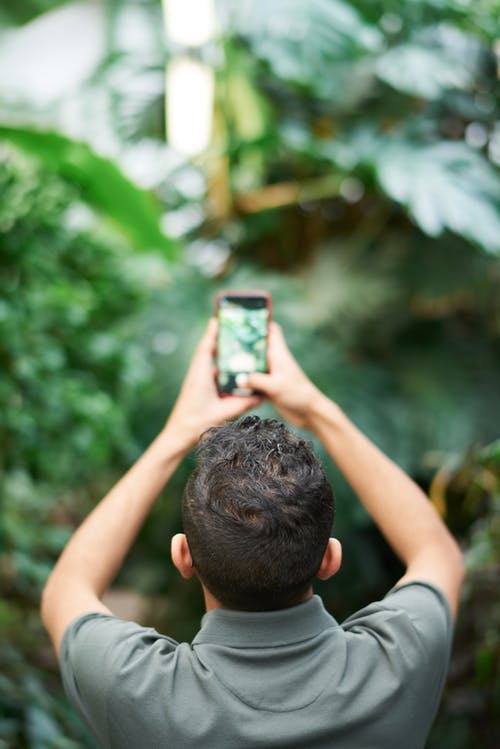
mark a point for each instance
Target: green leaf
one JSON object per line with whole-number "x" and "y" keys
{"x": 490, "y": 454}
{"x": 301, "y": 41}
{"x": 247, "y": 106}
{"x": 12, "y": 12}
{"x": 444, "y": 185}
{"x": 422, "y": 71}
{"x": 132, "y": 210}
{"x": 434, "y": 60}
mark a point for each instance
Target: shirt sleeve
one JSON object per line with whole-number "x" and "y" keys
{"x": 430, "y": 616}
{"x": 420, "y": 608}
{"x": 94, "y": 650}
{"x": 428, "y": 611}
{"x": 406, "y": 638}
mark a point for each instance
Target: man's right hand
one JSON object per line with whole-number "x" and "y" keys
{"x": 287, "y": 387}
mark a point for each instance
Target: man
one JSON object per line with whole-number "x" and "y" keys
{"x": 269, "y": 667}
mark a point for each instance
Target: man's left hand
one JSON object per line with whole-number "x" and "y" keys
{"x": 199, "y": 405}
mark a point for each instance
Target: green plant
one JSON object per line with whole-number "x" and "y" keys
{"x": 71, "y": 368}
{"x": 467, "y": 489}
{"x": 354, "y": 174}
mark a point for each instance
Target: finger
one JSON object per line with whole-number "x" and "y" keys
{"x": 210, "y": 335}
{"x": 277, "y": 343}
{"x": 240, "y": 404}
{"x": 258, "y": 381}
{"x": 206, "y": 344}
{"x": 234, "y": 406}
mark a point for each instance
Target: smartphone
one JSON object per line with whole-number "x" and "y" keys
{"x": 244, "y": 318}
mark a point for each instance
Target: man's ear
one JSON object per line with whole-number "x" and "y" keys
{"x": 181, "y": 556}
{"x": 332, "y": 559}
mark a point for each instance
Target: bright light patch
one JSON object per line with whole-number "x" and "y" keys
{"x": 189, "y": 22}
{"x": 190, "y": 96}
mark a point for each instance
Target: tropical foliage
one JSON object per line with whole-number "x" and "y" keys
{"x": 353, "y": 172}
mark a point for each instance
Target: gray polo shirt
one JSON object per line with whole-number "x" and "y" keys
{"x": 290, "y": 678}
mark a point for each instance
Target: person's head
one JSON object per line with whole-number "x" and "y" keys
{"x": 257, "y": 514}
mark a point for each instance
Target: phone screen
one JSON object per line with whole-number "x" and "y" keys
{"x": 242, "y": 340}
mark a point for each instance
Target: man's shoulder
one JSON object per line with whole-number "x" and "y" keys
{"x": 102, "y": 638}
{"x": 103, "y": 644}
{"x": 419, "y": 601}
{"x": 412, "y": 624}
{"x": 99, "y": 653}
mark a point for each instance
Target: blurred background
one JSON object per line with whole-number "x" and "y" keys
{"x": 343, "y": 156}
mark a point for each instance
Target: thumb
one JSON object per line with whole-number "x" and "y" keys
{"x": 259, "y": 381}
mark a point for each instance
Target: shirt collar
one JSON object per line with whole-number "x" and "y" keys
{"x": 265, "y": 628}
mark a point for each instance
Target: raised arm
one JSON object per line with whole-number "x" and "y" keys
{"x": 95, "y": 553}
{"x": 397, "y": 505}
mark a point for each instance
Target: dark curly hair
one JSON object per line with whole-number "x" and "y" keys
{"x": 257, "y": 512}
